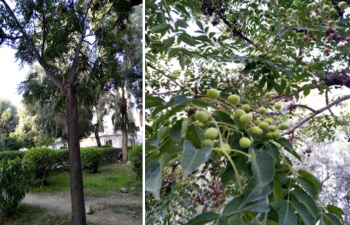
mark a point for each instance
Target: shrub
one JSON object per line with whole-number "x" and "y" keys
{"x": 107, "y": 146}
{"x": 43, "y": 159}
{"x": 63, "y": 147}
{"x": 16, "y": 177}
{"x": 135, "y": 157}
{"x": 62, "y": 162}
{"x": 11, "y": 155}
{"x": 110, "y": 155}
{"x": 91, "y": 158}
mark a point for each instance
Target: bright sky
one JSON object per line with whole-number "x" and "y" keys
{"x": 11, "y": 75}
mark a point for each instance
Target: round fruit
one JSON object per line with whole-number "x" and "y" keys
{"x": 254, "y": 131}
{"x": 198, "y": 124}
{"x": 305, "y": 37}
{"x": 290, "y": 10}
{"x": 227, "y": 147}
{"x": 306, "y": 68}
{"x": 239, "y": 113}
{"x": 342, "y": 5}
{"x": 264, "y": 35}
{"x": 211, "y": 133}
{"x": 264, "y": 125}
{"x": 272, "y": 128}
{"x": 233, "y": 99}
{"x": 262, "y": 110}
{"x": 284, "y": 126}
{"x": 202, "y": 116}
{"x": 207, "y": 142}
{"x": 326, "y": 8}
{"x": 213, "y": 93}
{"x": 330, "y": 22}
{"x": 252, "y": 55}
{"x": 246, "y": 107}
{"x": 282, "y": 9}
{"x": 246, "y": 118}
{"x": 269, "y": 135}
{"x": 276, "y": 135}
{"x": 245, "y": 142}
{"x": 333, "y": 11}
{"x": 341, "y": 46}
{"x": 310, "y": 6}
{"x": 277, "y": 106}
{"x": 268, "y": 95}
{"x": 319, "y": 18}
{"x": 268, "y": 120}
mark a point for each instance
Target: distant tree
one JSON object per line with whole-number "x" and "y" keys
{"x": 8, "y": 118}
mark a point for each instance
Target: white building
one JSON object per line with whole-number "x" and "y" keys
{"x": 108, "y": 136}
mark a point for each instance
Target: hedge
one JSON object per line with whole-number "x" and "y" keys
{"x": 11, "y": 155}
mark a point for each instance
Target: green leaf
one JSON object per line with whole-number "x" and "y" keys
{"x": 306, "y": 200}
{"x": 150, "y": 57}
{"x": 175, "y": 131}
{"x": 258, "y": 206}
{"x": 311, "y": 178}
{"x": 336, "y": 210}
{"x": 160, "y": 28}
{"x": 153, "y": 102}
{"x": 277, "y": 191}
{"x": 222, "y": 221}
{"x": 185, "y": 124}
{"x": 255, "y": 192}
{"x": 232, "y": 206}
{"x": 288, "y": 146}
{"x": 153, "y": 181}
{"x": 199, "y": 24}
{"x": 187, "y": 39}
{"x": 181, "y": 23}
{"x": 236, "y": 220}
{"x": 168, "y": 42}
{"x": 173, "y": 52}
{"x": 196, "y": 135}
{"x": 164, "y": 131}
{"x": 286, "y": 216}
{"x": 263, "y": 166}
{"x": 308, "y": 186}
{"x": 163, "y": 160}
{"x": 304, "y": 213}
{"x": 192, "y": 158}
{"x": 203, "y": 218}
{"x": 182, "y": 61}
{"x": 199, "y": 102}
{"x": 273, "y": 150}
{"x": 222, "y": 117}
{"x": 332, "y": 219}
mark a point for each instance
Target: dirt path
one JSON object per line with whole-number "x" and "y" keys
{"x": 114, "y": 209}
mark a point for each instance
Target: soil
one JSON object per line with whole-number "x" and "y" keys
{"x": 114, "y": 209}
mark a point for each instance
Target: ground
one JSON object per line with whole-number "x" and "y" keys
{"x": 51, "y": 205}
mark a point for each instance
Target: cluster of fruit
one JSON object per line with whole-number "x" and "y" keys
{"x": 243, "y": 114}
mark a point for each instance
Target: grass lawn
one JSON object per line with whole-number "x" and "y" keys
{"x": 108, "y": 178}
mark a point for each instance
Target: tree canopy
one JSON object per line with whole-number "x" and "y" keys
{"x": 8, "y": 118}
{"x": 225, "y": 115}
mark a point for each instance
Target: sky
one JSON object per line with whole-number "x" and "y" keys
{"x": 11, "y": 75}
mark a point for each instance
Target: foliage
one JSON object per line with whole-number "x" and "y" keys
{"x": 107, "y": 146}
{"x": 43, "y": 159}
{"x": 91, "y": 158}
{"x": 110, "y": 155}
{"x": 8, "y": 118}
{"x": 11, "y": 143}
{"x": 16, "y": 177}
{"x": 271, "y": 54}
{"x": 136, "y": 159}
{"x": 11, "y": 155}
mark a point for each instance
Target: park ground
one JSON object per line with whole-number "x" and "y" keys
{"x": 50, "y": 205}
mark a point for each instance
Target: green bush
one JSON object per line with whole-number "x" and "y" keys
{"x": 91, "y": 157}
{"x": 135, "y": 157}
{"x": 43, "y": 159}
{"x": 62, "y": 162}
{"x": 11, "y": 155}
{"x": 110, "y": 155}
{"x": 16, "y": 177}
{"x": 11, "y": 144}
{"x": 107, "y": 146}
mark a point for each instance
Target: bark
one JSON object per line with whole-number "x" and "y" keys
{"x": 97, "y": 130}
{"x": 76, "y": 178}
{"x": 123, "y": 108}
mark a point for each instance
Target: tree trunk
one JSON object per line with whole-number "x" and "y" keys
{"x": 97, "y": 130}
{"x": 76, "y": 177}
{"x": 123, "y": 108}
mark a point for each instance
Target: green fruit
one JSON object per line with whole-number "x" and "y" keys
{"x": 330, "y": 22}
{"x": 252, "y": 55}
{"x": 284, "y": 126}
{"x": 239, "y": 113}
{"x": 246, "y": 118}
{"x": 268, "y": 95}
{"x": 262, "y": 110}
{"x": 269, "y": 135}
{"x": 326, "y": 8}
{"x": 342, "y": 5}
{"x": 207, "y": 142}
{"x": 246, "y": 107}
{"x": 270, "y": 21}
{"x": 306, "y": 68}
{"x": 310, "y": 6}
{"x": 276, "y": 135}
{"x": 264, "y": 35}
{"x": 213, "y": 93}
{"x": 333, "y": 11}
{"x": 319, "y": 18}
{"x": 290, "y": 11}
{"x": 226, "y": 147}
{"x": 272, "y": 128}
{"x": 254, "y": 131}
{"x": 268, "y": 120}
{"x": 211, "y": 133}
{"x": 272, "y": 26}
{"x": 275, "y": 50}
{"x": 277, "y": 106}
{"x": 198, "y": 124}
{"x": 282, "y": 9}
{"x": 264, "y": 125}
{"x": 202, "y": 116}
{"x": 245, "y": 142}
{"x": 233, "y": 99}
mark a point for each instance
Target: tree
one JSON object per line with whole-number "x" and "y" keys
{"x": 224, "y": 80}
{"x": 52, "y": 33}
{"x": 8, "y": 118}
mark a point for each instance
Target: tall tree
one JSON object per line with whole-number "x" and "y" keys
{"x": 52, "y": 33}
{"x": 9, "y": 118}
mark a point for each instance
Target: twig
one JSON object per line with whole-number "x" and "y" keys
{"x": 327, "y": 103}
{"x": 148, "y": 64}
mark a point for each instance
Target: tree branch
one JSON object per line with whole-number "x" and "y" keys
{"x": 316, "y": 113}
{"x": 161, "y": 72}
